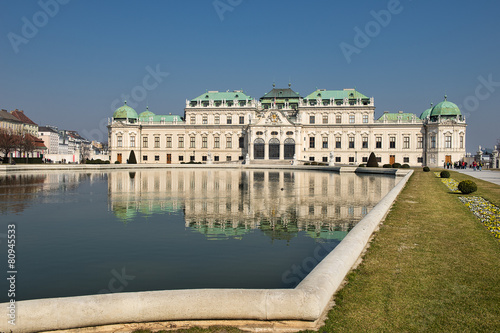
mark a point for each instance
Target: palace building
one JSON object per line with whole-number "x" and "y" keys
{"x": 330, "y": 126}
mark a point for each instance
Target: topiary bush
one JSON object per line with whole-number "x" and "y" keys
{"x": 405, "y": 166}
{"x": 387, "y": 166}
{"x": 396, "y": 165}
{"x": 426, "y": 169}
{"x": 445, "y": 174}
{"x": 131, "y": 158}
{"x": 117, "y": 162}
{"x": 362, "y": 165}
{"x": 372, "y": 161}
{"x": 467, "y": 186}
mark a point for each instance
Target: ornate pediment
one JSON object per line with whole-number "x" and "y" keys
{"x": 273, "y": 117}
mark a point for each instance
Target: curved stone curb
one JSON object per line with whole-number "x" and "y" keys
{"x": 306, "y": 302}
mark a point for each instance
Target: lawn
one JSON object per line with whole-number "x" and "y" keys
{"x": 432, "y": 266}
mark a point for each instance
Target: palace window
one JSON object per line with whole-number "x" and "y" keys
{"x": 289, "y": 133}
{"x": 351, "y": 119}
{"x": 216, "y": 158}
{"x": 242, "y": 120}
{"x": 406, "y": 160}
{"x": 420, "y": 142}
{"x": 241, "y": 142}
{"x": 392, "y": 142}
{"x": 191, "y": 158}
{"x": 205, "y": 120}
{"x": 311, "y": 142}
{"x": 312, "y": 119}
{"x": 433, "y": 141}
{"x": 204, "y": 159}
{"x": 132, "y": 141}
{"x": 157, "y": 142}
{"x": 216, "y": 142}
{"x": 228, "y": 159}
{"x": 181, "y": 142}
{"x": 420, "y": 160}
{"x": 365, "y": 142}
{"x": 365, "y": 159}
{"x": 157, "y": 157}
{"x": 204, "y": 142}
{"x": 192, "y": 142}
{"x": 325, "y": 142}
{"x": 351, "y": 142}
{"x": 144, "y": 142}
{"x": 351, "y": 159}
{"x": 229, "y": 120}
{"x": 338, "y": 142}
{"x": 144, "y": 157}
{"x": 217, "y": 119}
{"x": 181, "y": 158}
{"x": 325, "y": 158}
{"x": 259, "y": 133}
{"x": 378, "y": 142}
{"x": 229, "y": 142}
{"x": 338, "y": 159}
{"x": 461, "y": 141}
{"x": 274, "y": 133}
{"x": 338, "y": 119}
{"x": 365, "y": 119}
{"x": 193, "y": 119}
{"x": 169, "y": 142}
{"x": 447, "y": 140}
{"x": 406, "y": 142}
{"x": 325, "y": 119}
{"x": 119, "y": 141}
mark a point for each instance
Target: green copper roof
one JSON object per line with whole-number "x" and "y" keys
{"x": 158, "y": 118}
{"x": 335, "y": 94}
{"x": 146, "y": 113}
{"x": 219, "y": 96}
{"x": 124, "y": 112}
{"x": 426, "y": 113}
{"x": 281, "y": 93}
{"x": 394, "y": 117}
{"x": 445, "y": 108}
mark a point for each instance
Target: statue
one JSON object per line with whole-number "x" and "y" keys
{"x": 247, "y": 159}
{"x": 330, "y": 160}
{"x": 209, "y": 158}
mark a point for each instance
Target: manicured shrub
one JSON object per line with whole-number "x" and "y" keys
{"x": 387, "y": 166}
{"x": 107, "y": 162}
{"x": 362, "y": 165}
{"x": 372, "y": 161}
{"x": 131, "y": 158}
{"x": 117, "y": 162}
{"x": 467, "y": 186}
{"x": 396, "y": 165}
{"x": 445, "y": 174}
{"x": 426, "y": 169}
{"x": 307, "y": 163}
{"x": 405, "y": 166}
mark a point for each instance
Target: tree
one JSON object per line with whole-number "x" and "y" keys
{"x": 27, "y": 145}
{"x": 131, "y": 158}
{"x": 372, "y": 161}
{"x": 8, "y": 142}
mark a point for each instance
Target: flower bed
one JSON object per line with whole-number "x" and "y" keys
{"x": 486, "y": 212}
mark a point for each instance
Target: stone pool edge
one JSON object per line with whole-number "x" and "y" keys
{"x": 307, "y": 302}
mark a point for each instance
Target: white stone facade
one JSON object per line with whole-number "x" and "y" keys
{"x": 326, "y": 131}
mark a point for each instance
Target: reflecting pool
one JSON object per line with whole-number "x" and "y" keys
{"x": 124, "y": 231}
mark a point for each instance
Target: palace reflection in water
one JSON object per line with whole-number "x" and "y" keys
{"x": 229, "y": 203}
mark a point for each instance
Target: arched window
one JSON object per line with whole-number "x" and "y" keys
{"x": 274, "y": 149}
{"x": 289, "y": 148}
{"x": 258, "y": 149}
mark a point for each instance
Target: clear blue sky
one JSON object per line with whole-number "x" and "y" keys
{"x": 86, "y": 54}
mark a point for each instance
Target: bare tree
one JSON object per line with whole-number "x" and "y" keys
{"x": 27, "y": 145}
{"x": 9, "y": 142}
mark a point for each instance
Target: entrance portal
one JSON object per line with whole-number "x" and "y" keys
{"x": 258, "y": 149}
{"x": 289, "y": 150}
{"x": 274, "y": 149}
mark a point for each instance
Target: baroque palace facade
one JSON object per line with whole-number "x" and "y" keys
{"x": 332, "y": 126}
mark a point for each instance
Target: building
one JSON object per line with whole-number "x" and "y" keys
{"x": 29, "y": 126}
{"x": 10, "y": 122}
{"x": 332, "y": 126}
